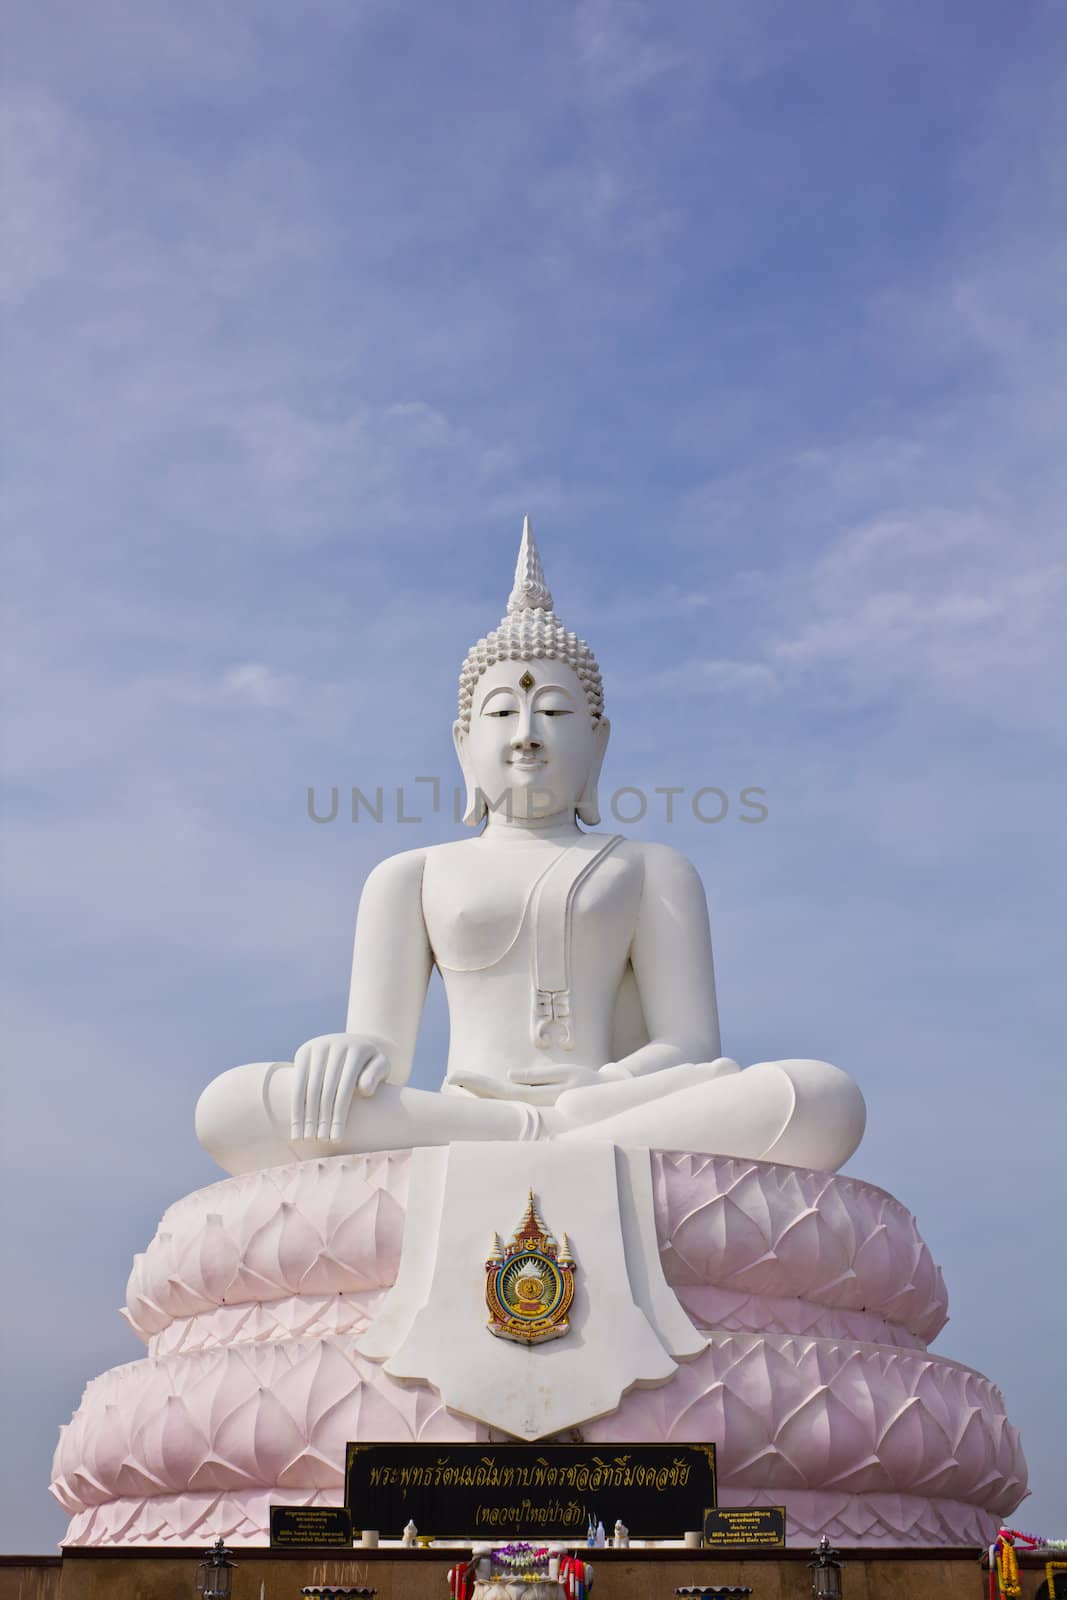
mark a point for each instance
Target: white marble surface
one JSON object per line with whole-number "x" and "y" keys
{"x": 577, "y": 965}
{"x": 626, "y": 1326}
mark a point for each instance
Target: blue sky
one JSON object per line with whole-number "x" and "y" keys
{"x": 758, "y": 310}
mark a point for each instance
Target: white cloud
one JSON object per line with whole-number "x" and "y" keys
{"x": 401, "y": 465}
{"x": 709, "y": 676}
{"x": 259, "y": 685}
{"x": 935, "y": 603}
{"x": 620, "y": 45}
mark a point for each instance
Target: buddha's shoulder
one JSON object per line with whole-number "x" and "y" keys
{"x": 660, "y": 863}
{"x": 449, "y": 851}
{"x": 396, "y": 873}
{"x": 409, "y": 866}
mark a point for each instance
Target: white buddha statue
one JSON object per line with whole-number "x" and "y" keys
{"x": 577, "y": 964}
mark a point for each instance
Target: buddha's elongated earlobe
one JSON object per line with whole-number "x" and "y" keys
{"x": 588, "y": 806}
{"x": 474, "y": 807}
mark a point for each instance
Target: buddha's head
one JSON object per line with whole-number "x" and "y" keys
{"x": 531, "y": 732}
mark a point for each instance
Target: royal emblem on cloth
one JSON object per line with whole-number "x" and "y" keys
{"x": 529, "y": 1282}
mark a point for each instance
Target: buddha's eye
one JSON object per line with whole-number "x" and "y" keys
{"x": 555, "y": 711}
{"x": 508, "y": 711}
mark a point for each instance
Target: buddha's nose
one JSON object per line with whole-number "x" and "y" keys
{"x": 523, "y": 738}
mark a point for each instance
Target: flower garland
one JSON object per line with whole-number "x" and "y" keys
{"x": 1003, "y": 1569}
{"x": 526, "y": 1562}
{"x": 1033, "y": 1540}
{"x": 1004, "y": 1582}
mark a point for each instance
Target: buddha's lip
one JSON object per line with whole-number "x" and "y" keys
{"x": 526, "y": 761}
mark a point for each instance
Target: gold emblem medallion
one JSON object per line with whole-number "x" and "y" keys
{"x": 529, "y": 1283}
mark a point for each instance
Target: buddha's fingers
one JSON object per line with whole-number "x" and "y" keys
{"x": 337, "y": 1062}
{"x": 360, "y": 1072}
{"x": 342, "y": 1099}
{"x": 374, "y": 1074}
{"x": 320, "y": 1057}
{"x": 299, "y": 1095}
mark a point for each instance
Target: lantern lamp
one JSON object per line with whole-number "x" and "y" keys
{"x": 214, "y": 1575}
{"x": 826, "y": 1566}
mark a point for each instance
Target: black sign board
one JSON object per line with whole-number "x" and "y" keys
{"x": 549, "y": 1491}
{"x": 307, "y": 1527}
{"x": 745, "y": 1525}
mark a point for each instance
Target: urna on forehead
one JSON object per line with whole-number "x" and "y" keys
{"x": 528, "y": 681}
{"x": 530, "y": 631}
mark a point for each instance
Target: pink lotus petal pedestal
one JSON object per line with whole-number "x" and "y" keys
{"x": 816, "y": 1294}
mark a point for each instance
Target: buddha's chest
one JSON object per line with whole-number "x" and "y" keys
{"x": 489, "y": 908}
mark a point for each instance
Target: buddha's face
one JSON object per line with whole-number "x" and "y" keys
{"x": 533, "y": 745}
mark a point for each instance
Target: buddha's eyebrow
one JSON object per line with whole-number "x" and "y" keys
{"x": 553, "y": 688}
{"x": 501, "y": 688}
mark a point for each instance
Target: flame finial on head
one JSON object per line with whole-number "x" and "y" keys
{"x": 529, "y": 592}
{"x": 530, "y": 631}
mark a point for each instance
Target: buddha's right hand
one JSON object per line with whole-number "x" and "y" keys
{"x": 327, "y": 1073}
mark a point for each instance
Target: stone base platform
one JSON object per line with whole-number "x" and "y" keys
{"x": 913, "y": 1574}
